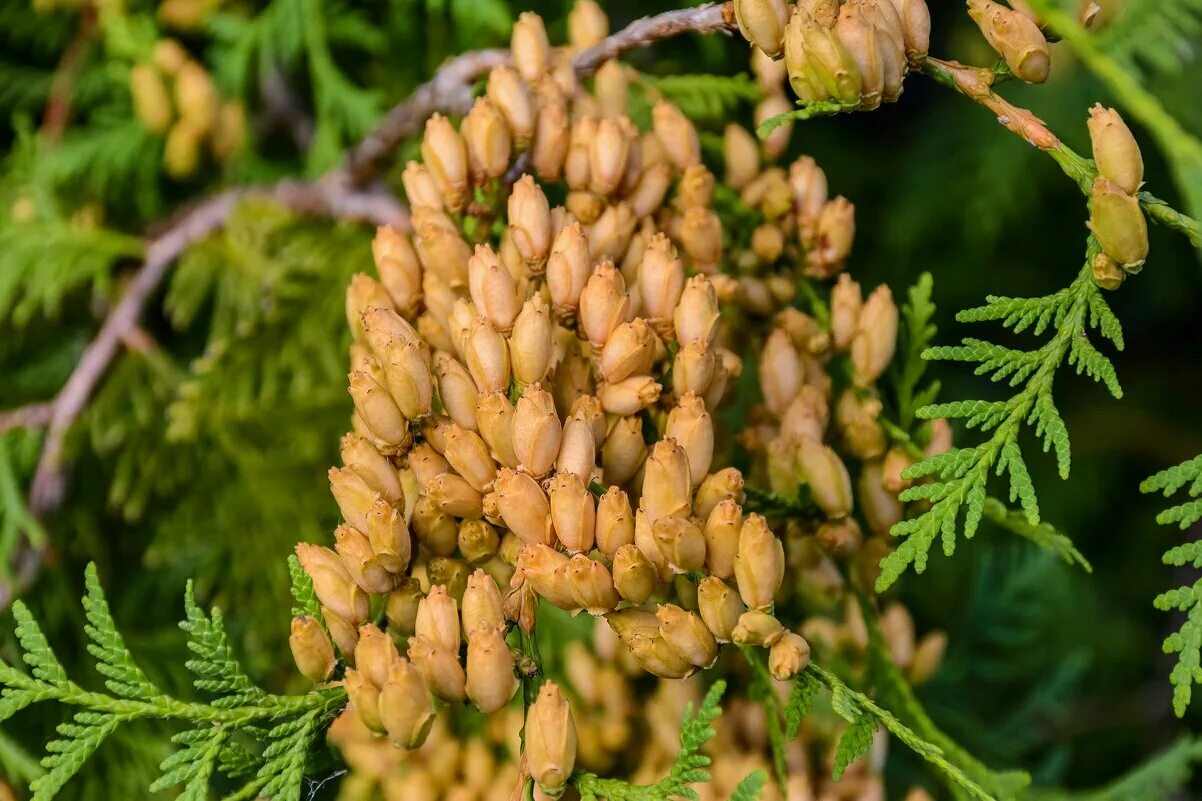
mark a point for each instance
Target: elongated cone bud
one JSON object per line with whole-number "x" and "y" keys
{"x": 405, "y": 707}
{"x": 614, "y": 522}
{"x": 152, "y": 103}
{"x": 1118, "y": 222}
{"x": 360, "y": 561}
{"x": 630, "y": 350}
{"x": 691, "y": 426}
{"x": 578, "y": 162}
{"x": 374, "y": 654}
{"x": 681, "y": 542}
{"x": 624, "y": 450}
{"x": 604, "y": 304}
{"x": 861, "y": 39}
{"x": 530, "y": 222}
{"x": 634, "y": 575}
{"x": 398, "y": 266}
{"x": 824, "y": 12}
{"x": 834, "y": 233}
{"x": 701, "y": 234}
{"x": 487, "y": 357}
{"x": 829, "y": 61}
{"x": 409, "y": 378}
{"x": 591, "y": 585}
{"x": 741, "y": 153}
{"x": 927, "y": 657}
{"x": 332, "y": 583}
{"x": 550, "y": 739}
{"x": 468, "y": 454}
{"x": 648, "y": 194}
{"x": 435, "y": 528}
{"x": 577, "y": 451}
{"x": 311, "y": 649}
{"x": 661, "y": 280}
{"x": 881, "y": 507}
{"x": 487, "y": 139}
{"x": 608, "y": 153}
{"x": 667, "y": 486}
{"x": 788, "y": 657}
{"x": 694, "y": 369}
{"x": 897, "y": 459}
{"x": 629, "y": 396}
{"x": 536, "y": 431}
{"x": 695, "y": 188}
{"x": 195, "y": 96}
{"x": 512, "y": 97}
{"x": 372, "y": 467}
{"x": 494, "y": 416}
{"x": 524, "y": 506}
{"x": 611, "y": 91}
{"x": 840, "y": 537}
{"x": 181, "y": 151}
{"x": 344, "y": 633}
{"x": 482, "y": 604}
{"x": 876, "y": 336}
{"x": 362, "y": 294}
{"x": 759, "y": 563}
{"x": 827, "y": 476}
{"x": 654, "y": 655}
{"x": 782, "y": 372}
{"x": 611, "y": 233}
{"x": 445, "y": 155}
{"x": 676, "y": 134}
{"x": 762, "y": 22}
{"x": 803, "y": 79}
{"x": 809, "y": 185}
{"x": 364, "y": 699}
{"x": 455, "y": 496}
{"x": 551, "y": 140}
{"x": 846, "y": 303}
{"x": 721, "y": 533}
{"x": 490, "y": 668}
{"x": 806, "y": 417}
{"x": 687, "y": 634}
{"x": 573, "y": 512}
{"x": 438, "y": 618}
{"x": 530, "y": 47}
{"x": 569, "y": 267}
{"x": 478, "y": 541}
{"x": 492, "y": 289}
{"x": 720, "y": 607}
{"x": 916, "y": 27}
{"x": 377, "y": 409}
{"x": 401, "y": 609}
{"x": 420, "y": 187}
{"x": 696, "y": 314}
{"x": 546, "y": 570}
{"x": 587, "y": 24}
{"x": 727, "y": 483}
{"x": 1016, "y": 37}
{"x": 440, "y": 668}
{"x": 757, "y": 628}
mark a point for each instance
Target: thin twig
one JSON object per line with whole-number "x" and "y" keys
{"x": 33, "y": 415}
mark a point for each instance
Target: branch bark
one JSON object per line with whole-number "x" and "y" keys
{"x": 349, "y": 191}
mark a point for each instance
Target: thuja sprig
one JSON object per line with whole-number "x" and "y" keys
{"x": 1186, "y": 642}
{"x": 957, "y": 490}
{"x": 283, "y": 727}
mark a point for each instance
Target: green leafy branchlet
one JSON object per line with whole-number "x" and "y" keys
{"x": 243, "y": 732}
{"x": 960, "y": 476}
{"x": 1187, "y": 642}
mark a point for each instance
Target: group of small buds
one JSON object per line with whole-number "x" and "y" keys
{"x": 854, "y": 52}
{"x": 534, "y": 393}
{"x": 1116, "y": 219}
{"x": 174, "y": 96}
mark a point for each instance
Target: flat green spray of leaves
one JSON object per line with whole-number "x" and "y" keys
{"x": 284, "y": 727}
{"x": 1154, "y": 780}
{"x": 691, "y": 765}
{"x": 957, "y": 493}
{"x": 1187, "y": 642}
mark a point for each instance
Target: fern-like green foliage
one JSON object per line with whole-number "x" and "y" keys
{"x": 282, "y": 728}
{"x": 958, "y": 491}
{"x": 696, "y": 729}
{"x": 1155, "y": 780}
{"x": 1156, "y": 34}
{"x": 1042, "y": 534}
{"x": 915, "y": 335}
{"x": 705, "y": 98}
{"x": 1187, "y": 642}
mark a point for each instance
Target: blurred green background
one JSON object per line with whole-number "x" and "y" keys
{"x": 203, "y": 454}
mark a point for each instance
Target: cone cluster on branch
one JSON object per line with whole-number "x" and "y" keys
{"x": 855, "y": 52}
{"x": 1115, "y": 217}
{"x": 174, "y": 96}
{"x": 535, "y": 389}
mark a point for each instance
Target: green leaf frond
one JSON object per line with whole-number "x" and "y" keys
{"x": 1155, "y": 780}
{"x": 696, "y": 729}
{"x": 1154, "y": 35}
{"x": 283, "y": 728}
{"x": 1043, "y": 534}
{"x": 916, "y": 333}
{"x": 704, "y": 98}
{"x": 957, "y": 490}
{"x": 1187, "y": 641}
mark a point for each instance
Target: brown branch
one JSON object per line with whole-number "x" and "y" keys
{"x": 346, "y": 192}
